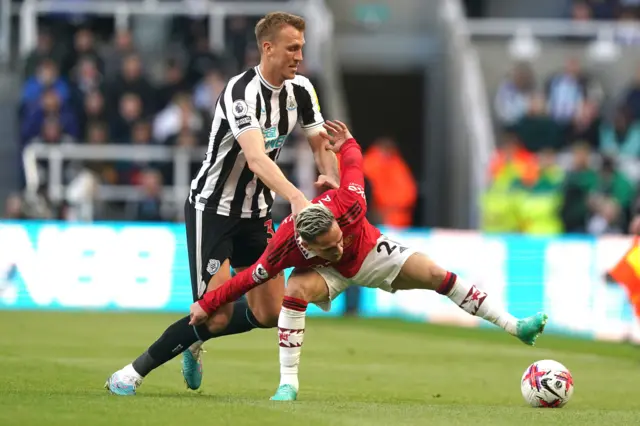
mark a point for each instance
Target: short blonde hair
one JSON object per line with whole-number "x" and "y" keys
{"x": 273, "y": 22}
{"x": 313, "y": 221}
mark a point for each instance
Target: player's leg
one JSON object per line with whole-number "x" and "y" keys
{"x": 420, "y": 272}
{"x": 265, "y": 300}
{"x": 303, "y": 287}
{"x": 207, "y": 241}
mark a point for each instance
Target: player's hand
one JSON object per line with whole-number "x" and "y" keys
{"x": 298, "y": 203}
{"x": 336, "y": 134}
{"x": 324, "y": 183}
{"x": 634, "y": 228}
{"x": 197, "y": 314}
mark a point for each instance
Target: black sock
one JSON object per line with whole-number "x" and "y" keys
{"x": 241, "y": 321}
{"x": 175, "y": 339}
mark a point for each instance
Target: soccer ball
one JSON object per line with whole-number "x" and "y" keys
{"x": 547, "y": 384}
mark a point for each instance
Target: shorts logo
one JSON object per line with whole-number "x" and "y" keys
{"x": 260, "y": 274}
{"x": 240, "y": 108}
{"x": 213, "y": 266}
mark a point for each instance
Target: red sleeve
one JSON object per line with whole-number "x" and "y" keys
{"x": 274, "y": 260}
{"x": 351, "y": 173}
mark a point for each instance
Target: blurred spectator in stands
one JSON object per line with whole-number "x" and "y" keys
{"x": 186, "y": 139}
{"x": 580, "y": 182}
{"x": 394, "y": 187}
{"x": 45, "y": 49}
{"x": 13, "y": 208}
{"x": 581, "y": 11}
{"x": 207, "y": 92}
{"x": 631, "y": 97}
{"x": 536, "y": 129}
{"x": 130, "y": 172}
{"x": 98, "y": 134}
{"x": 538, "y": 201}
{"x": 251, "y": 58}
{"x": 610, "y": 201}
{"x": 86, "y": 78}
{"x": 567, "y": 90}
{"x": 595, "y": 9}
{"x": 514, "y": 94}
{"x": 132, "y": 81}
{"x": 49, "y": 107}
{"x": 180, "y": 114}
{"x": 237, "y": 39}
{"x": 510, "y": 164}
{"x": 586, "y": 125}
{"x": 201, "y": 59}
{"x": 149, "y": 207}
{"x": 622, "y": 136}
{"x": 94, "y": 110}
{"x": 115, "y": 53}
{"x": 83, "y": 47}
{"x": 174, "y": 82}
{"x": 129, "y": 111}
{"x": 46, "y": 77}
{"x": 52, "y": 132}
{"x": 628, "y": 34}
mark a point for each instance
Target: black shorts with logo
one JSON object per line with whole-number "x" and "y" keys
{"x": 212, "y": 238}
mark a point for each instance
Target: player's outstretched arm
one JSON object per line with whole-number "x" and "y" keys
{"x": 274, "y": 260}
{"x": 252, "y": 144}
{"x": 341, "y": 140}
{"x": 326, "y": 161}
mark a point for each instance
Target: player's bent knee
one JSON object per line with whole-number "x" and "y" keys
{"x": 219, "y": 321}
{"x": 267, "y": 316}
{"x": 309, "y": 286}
{"x": 419, "y": 272}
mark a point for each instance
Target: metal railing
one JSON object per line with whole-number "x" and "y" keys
{"x": 469, "y": 118}
{"x": 504, "y": 27}
{"x": 56, "y": 155}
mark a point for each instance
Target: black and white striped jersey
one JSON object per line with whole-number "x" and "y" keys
{"x": 225, "y": 184}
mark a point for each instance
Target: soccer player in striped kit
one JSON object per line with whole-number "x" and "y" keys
{"x": 228, "y": 211}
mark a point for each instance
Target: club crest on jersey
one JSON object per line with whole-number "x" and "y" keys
{"x": 291, "y": 103}
{"x": 213, "y": 266}
{"x": 240, "y": 108}
{"x": 347, "y": 241}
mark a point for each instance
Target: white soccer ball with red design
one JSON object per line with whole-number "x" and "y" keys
{"x": 547, "y": 384}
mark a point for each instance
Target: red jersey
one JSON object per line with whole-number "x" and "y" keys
{"x": 285, "y": 250}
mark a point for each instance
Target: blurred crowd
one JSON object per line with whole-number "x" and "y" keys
{"x": 81, "y": 88}
{"x": 569, "y": 155}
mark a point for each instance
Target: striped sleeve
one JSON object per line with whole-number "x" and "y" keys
{"x": 309, "y": 114}
{"x": 239, "y": 104}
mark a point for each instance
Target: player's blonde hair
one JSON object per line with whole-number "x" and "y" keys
{"x": 270, "y": 24}
{"x": 313, "y": 221}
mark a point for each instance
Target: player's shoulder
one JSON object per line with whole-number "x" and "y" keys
{"x": 247, "y": 79}
{"x": 301, "y": 80}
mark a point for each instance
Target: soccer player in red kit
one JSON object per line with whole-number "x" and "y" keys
{"x": 332, "y": 246}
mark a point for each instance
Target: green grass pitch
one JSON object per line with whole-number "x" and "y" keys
{"x": 353, "y": 372}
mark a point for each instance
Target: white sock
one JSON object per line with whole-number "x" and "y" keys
{"x": 290, "y": 336}
{"x": 130, "y": 371}
{"x": 477, "y": 302}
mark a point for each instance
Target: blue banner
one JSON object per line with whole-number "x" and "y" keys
{"x": 124, "y": 266}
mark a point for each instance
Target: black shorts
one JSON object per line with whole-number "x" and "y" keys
{"x": 211, "y": 239}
